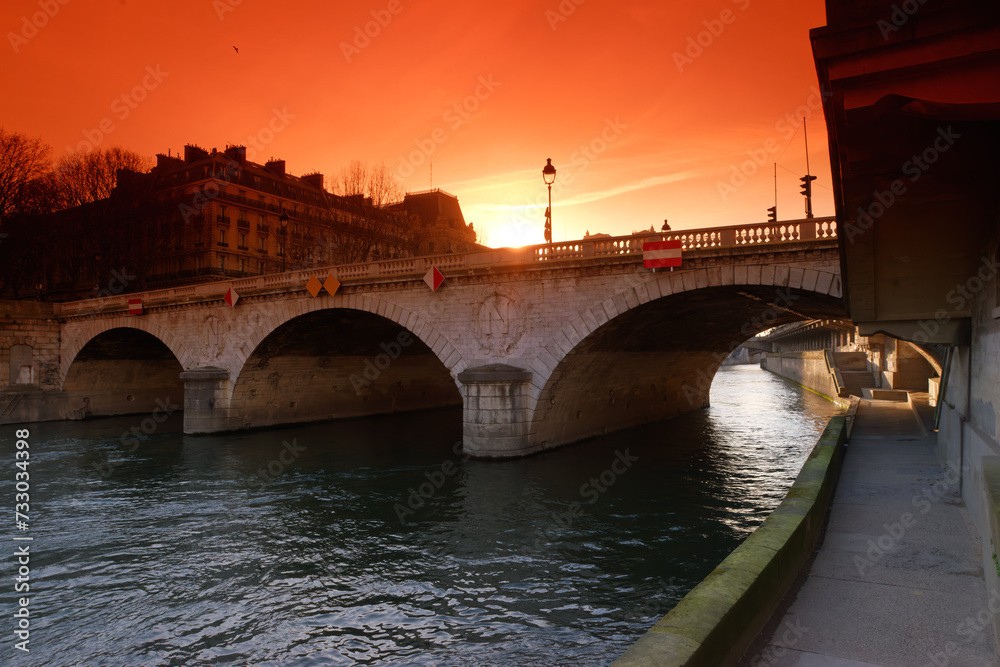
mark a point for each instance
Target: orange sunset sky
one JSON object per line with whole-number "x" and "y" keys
{"x": 649, "y": 110}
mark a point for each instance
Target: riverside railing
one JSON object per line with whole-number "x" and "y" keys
{"x": 792, "y": 231}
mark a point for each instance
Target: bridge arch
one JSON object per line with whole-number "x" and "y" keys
{"x": 120, "y": 370}
{"x": 650, "y": 351}
{"x": 263, "y": 324}
{"x": 76, "y": 337}
{"x": 340, "y": 357}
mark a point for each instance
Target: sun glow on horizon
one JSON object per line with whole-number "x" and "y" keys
{"x": 635, "y": 138}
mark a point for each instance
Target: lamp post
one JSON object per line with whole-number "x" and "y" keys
{"x": 283, "y": 219}
{"x": 549, "y": 176}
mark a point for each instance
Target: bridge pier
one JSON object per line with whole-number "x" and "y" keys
{"x": 207, "y": 395}
{"x": 496, "y": 418}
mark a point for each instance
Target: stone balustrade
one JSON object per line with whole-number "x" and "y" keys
{"x": 793, "y": 231}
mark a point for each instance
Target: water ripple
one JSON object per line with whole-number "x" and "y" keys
{"x": 186, "y": 556}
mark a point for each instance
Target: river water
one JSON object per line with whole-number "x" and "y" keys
{"x": 372, "y": 542}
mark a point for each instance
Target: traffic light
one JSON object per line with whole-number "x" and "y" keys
{"x": 548, "y": 226}
{"x": 807, "y": 185}
{"x": 772, "y": 214}
{"x": 807, "y": 192}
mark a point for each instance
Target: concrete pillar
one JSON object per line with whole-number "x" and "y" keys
{"x": 207, "y": 393}
{"x": 496, "y": 418}
{"x": 807, "y": 230}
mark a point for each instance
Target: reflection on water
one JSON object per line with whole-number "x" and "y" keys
{"x": 373, "y": 542}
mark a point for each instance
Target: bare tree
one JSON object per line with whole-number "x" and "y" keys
{"x": 383, "y": 188}
{"x": 92, "y": 176}
{"x": 375, "y": 182}
{"x": 22, "y": 161}
{"x": 360, "y": 232}
{"x": 352, "y": 179}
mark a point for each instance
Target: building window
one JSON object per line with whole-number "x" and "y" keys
{"x": 242, "y": 265}
{"x": 222, "y": 262}
{"x": 243, "y": 241}
{"x": 260, "y": 240}
{"x": 222, "y": 236}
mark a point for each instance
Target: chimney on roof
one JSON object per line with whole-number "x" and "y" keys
{"x": 315, "y": 180}
{"x": 167, "y": 161}
{"x": 194, "y": 153}
{"x": 276, "y": 167}
{"x": 238, "y": 153}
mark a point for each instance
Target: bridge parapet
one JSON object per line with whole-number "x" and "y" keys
{"x": 735, "y": 236}
{"x": 712, "y": 237}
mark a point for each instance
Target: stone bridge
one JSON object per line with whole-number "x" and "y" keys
{"x": 542, "y": 345}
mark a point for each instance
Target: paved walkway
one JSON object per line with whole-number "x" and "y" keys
{"x": 898, "y": 579}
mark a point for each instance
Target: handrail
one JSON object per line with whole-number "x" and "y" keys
{"x": 793, "y": 231}
{"x": 834, "y": 371}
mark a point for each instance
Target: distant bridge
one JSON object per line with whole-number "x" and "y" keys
{"x": 542, "y": 345}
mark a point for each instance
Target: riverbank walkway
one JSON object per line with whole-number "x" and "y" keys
{"x": 898, "y": 579}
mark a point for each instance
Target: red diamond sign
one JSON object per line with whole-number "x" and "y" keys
{"x": 231, "y": 297}
{"x": 135, "y": 305}
{"x": 657, "y": 254}
{"x": 434, "y": 278}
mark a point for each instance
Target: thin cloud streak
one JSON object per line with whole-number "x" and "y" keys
{"x": 590, "y": 197}
{"x": 609, "y": 168}
{"x": 648, "y": 182}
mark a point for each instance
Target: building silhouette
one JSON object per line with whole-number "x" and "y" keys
{"x": 210, "y": 215}
{"x": 437, "y": 222}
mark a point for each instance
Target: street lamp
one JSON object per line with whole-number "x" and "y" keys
{"x": 549, "y": 176}
{"x": 283, "y": 219}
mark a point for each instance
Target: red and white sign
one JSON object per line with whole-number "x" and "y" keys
{"x": 658, "y": 254}
{"x": 434, "y": 278}
{"x": 135, "y": 305}
{"x": 231, "y": 297}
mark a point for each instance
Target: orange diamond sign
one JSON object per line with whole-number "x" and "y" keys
{"x": 314, "y": 286}
{"x": 331, "y": 284}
